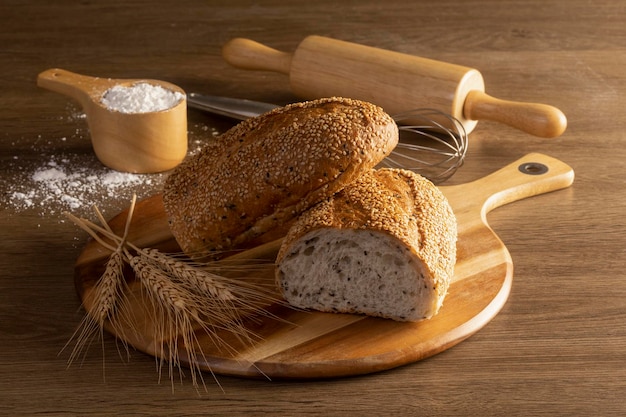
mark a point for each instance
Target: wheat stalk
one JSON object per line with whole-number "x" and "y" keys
{"x": 176, "y": 311}
{"x": 106, "y": 298}
{"x": 184, "y": 297}
{"x": 196, "y": 279}
{"x": 233, "y": 299}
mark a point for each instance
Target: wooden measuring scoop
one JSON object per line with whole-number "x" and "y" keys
{"x": 149, "y": 142}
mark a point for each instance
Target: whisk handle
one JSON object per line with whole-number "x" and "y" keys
{"x": 537, "y": 119}
{"x": 248, "y": 54}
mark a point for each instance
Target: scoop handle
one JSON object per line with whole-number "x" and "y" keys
{"x": 248, "y": 54}
{"x": 83, "y": 88}
{"x": 537, "y": 119}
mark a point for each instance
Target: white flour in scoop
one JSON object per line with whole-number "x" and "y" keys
{"x": 140, "y": 98}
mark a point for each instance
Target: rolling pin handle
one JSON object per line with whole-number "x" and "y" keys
{"x": 248, "y": 54}
{"x": 537, "y": 119}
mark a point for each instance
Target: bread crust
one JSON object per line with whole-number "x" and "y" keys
{"x": 398, "y": 203}
{"x": 248, "y": 185}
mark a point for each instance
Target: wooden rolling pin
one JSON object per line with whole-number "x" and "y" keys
{"x": 322, "y": 67}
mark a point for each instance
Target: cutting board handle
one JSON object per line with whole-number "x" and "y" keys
{"x": 531, "y": 175}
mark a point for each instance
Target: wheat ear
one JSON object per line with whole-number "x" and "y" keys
{"x": 177, "y": 313}
{"x": 183, "y": 296}
{"x": 106, "y": 298}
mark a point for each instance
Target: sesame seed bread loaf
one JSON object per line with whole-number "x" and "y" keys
{"x": 384, "y": 246}
{"x": 247, "y": 186}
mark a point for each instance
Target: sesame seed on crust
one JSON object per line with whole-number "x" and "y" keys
{"x": 264, "y": 172}
{"x": 400, "y": 203}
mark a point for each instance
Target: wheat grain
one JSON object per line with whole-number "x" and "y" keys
{"x": 184, "y": 297}
{"x": 231, "y": 300}
{"x": 210, "y": 313}
{"x": 178, "y": 312}
{"x": 193, "y": 278}
{"x": 103, "y": 302}
{"x": 108, "y": 291}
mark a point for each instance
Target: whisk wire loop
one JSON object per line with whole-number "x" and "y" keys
{"x": 432, "y": 143}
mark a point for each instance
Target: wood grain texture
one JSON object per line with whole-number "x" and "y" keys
{"x": 146, "y": 142}
{"x": 322, "y": 67}
{"x": 305, "y": 344}
{"x": 557, "y": 347}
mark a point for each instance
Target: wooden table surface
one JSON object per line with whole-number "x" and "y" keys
{"x": 558, "y": 347}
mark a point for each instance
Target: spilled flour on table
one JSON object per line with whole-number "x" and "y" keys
{"x": 47, "y": 179}
{"x": 63, "y": 183}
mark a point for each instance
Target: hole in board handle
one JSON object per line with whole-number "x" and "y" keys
{"x": 533, "y": 168}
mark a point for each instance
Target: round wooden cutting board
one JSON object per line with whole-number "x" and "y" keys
{"x": 319, "y": 345}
